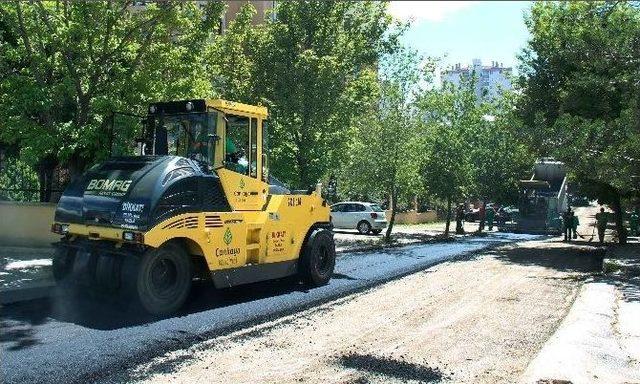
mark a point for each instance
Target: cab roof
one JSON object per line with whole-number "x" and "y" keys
{"x": 202, "y": 105}
{"x": 235, "y": 107}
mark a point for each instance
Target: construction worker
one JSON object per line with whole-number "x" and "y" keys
{"x": 567, "y": 223}
{"x": 601, "y": 224}
{"x": 574, "y": 225}
{"x": 634, "y": 221}
{"x": 491, "y": 214}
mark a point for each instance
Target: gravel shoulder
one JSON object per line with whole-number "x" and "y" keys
{"x": 476, "y": 320}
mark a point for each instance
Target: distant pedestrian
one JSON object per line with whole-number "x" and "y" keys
{"x": 634, "y": 222}
{"x": 567, "y": 223}
{"x": 601, "y": 223}
{"x": 491, "y": 214}
{"x": 481, "y": 216}
{"x": 459, "y": 219}
{"x": 574, "y": 225}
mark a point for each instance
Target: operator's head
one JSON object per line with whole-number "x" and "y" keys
{"x": 601, "y": 209}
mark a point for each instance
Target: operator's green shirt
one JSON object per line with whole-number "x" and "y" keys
{"x": 230, "y": 146}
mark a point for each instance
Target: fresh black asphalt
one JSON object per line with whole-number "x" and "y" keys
{"x": 59, "y": 340}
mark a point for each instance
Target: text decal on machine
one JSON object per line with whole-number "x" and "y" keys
{"x": 108, "y": 187}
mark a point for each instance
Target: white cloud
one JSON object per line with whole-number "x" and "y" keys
{"x": 426, "y": 10}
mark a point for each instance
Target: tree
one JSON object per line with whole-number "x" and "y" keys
{"x": 315, "y": 70}
{"x": 581, "y": 99}
{"x": 384, "y": 152}
{"x": 66, "y": 65}
{"x": 498, "y": 157}
{"x": 448, "y": 115}
{"x": 18, "y": 182}
{"x": 233, "y": 56}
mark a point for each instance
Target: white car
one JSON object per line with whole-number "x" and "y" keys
{"x": 365, "y": 217}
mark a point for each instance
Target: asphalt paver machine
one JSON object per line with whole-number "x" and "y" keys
{"x": 543, "y": 198}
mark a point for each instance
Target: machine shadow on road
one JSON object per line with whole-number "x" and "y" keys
{"x": 563, "y": 257}
{"x": 390, "y": 368}
{"x": 18, "y": 322}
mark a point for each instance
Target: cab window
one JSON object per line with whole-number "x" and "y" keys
{"x": 337, "y": 208}
{"x": 253, "y": 156}
{"x": 265, "y": 150}
{"x": 237, "y": 144}
{"x": 185, "y": 135}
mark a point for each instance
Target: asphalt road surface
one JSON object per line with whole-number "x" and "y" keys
{"x": 63, "y": 340}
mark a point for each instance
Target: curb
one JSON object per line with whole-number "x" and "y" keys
{"x": 15, "y": 295}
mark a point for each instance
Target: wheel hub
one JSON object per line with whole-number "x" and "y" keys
{"x": 163, "y": 276}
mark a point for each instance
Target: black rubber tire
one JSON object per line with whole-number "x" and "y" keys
{"x": 168, "y": 265}
{"x": 62, "y": 264}
{"x": 318, "y": 258}
{"x": 366, "y": 227}
{"x": 376, "y": 231}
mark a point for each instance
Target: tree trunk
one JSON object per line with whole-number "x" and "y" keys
{"x": 448, "y": 224}
{"x": 45, "y": 177}
{"x": 618, "y": 217}
{"x": 387, "y": 236}
{"x": 76, "y": 165}
{"x": 484, "y": 214}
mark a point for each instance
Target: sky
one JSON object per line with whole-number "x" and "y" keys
{"x": 460, "y": 31}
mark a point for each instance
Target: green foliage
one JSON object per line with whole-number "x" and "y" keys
{"x": 18, "y": 182}
{"x": 66, "y": 65}
{"x": 450, "y": 114}
{"x": 384, "y": 152}
{"x": 581, "y": 94}
{"x": 315, "y": 70}
{"x": 231, "y": 63}
{"x": 499, "y": 159}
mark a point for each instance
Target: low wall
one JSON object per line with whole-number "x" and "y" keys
{"x": 413, "y": 217}
{"x": 29, "y": 224}
{"x": 26, "y": 224}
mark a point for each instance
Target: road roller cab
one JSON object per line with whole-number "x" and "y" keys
{"x": 194, "y": 201}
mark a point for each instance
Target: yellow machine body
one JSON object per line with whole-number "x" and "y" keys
{"x": 260, "y": 229}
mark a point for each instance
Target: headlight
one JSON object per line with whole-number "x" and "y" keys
{"x": 61, "y": 229}
{"x": 135, "y": 237}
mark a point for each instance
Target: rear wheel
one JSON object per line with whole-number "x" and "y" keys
{"x": 62, "y": 264}
{"x": 376, "y": 231}
{"x": 164, "y": 279}
{"x": 364, "y": 227}
{"x": 318, "y": 258}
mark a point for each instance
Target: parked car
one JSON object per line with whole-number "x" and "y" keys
{"x": 506, "y": 214}
{"x": 472, "y": 215}
{"x": 365, "y": 217}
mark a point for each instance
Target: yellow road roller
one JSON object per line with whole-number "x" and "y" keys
{"x": 194, "y": 200}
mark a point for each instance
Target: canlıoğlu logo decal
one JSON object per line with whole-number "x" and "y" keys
{"x": 227, "y": 236}
{"x": 241, "y": 184}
